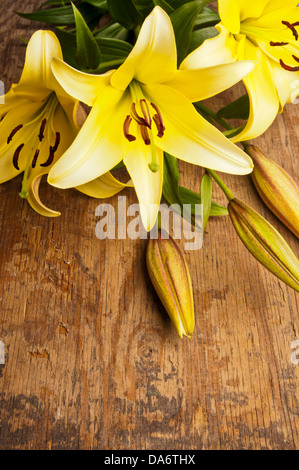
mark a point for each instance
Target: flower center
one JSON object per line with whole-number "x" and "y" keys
{"x": 144, "y": 114}
{"x": 250, "y": 31}
{"x": 43, "y": 119}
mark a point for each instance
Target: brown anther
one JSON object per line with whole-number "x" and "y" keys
{"x": 16, "y": 155}
{"x": 145, "y": 111}
{"x": 52, "y": 151}
{"x": 126, "y": 128}
{"x": 144, "y": 135}
{"x": 295, "y": 58}
{"x": 13, "y": 133}
{"x": 33, "y": 164}
{"x": 42, "y": 130}
{"x": 158, "y": 119}
{"x": 288, "y": 67}
{"x": 139, "y": 119}
{"x": 274, "y": 44}
{"x": 292, "y": 28}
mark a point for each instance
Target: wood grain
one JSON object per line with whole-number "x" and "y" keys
{"x": 92, "y": 360}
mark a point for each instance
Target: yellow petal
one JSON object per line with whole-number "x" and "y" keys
{"x": 153, "y": 58}
{"x": 203, "y": 83}
{"x": 191, "y": 138}
{"x": 100, "y": 144}
{"x": 148, "y": 185}
{"x": 264, "y": 102}
{"x": 37, "y": 78}
{"x": 34, "y": 199}
{"x": 103, "y": 187}
{"x": 287, "y": 84}
{"x": 229, "y": 12}
{"x": 82, "y": 86}
{"x": 218, "y": 50}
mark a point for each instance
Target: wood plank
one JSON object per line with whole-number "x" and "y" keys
{"x": 92, "y": 360}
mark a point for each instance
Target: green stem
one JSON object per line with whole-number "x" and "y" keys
{"x": 221, "y": 184}
{"x": 200, "y": 107}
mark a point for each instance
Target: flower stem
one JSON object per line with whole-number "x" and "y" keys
{"x": 221, "y": 184}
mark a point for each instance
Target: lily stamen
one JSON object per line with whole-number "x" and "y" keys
{"x": 288, "y": 67}
{"x": 292, "y": 27}
{"x": 158, "y": 119}
{"x": 42, "y": 130}
{"x": 127, "y": 134}
{"x": 52, "y": 151}
{"x": 145, "y": 135}
{"x": 13, "y": 133}
{"x": 16, "y": 155}
{"x": 274, "y": 44}
{"x": 34, "y": 161}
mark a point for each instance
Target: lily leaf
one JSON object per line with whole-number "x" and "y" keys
{"x": 207, "y": 17}
{"x": 190, "y": 197}
{"x": 64, "y": 15}
{"x": 200, "y": 35}
{"x": 163, "y": 4}
{"x": 206, "y": 198}
{"x": 88, "y": 52}
{"x": 112, "y": 30}
{"x": 183, "y": 20}
{"x": 125, "y": 13}
{"x": 238, "y": 109}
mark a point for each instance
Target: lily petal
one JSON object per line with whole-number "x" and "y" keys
{"x": 189, "y": 137}
{"x": 229, "y": 11}
{"x": 103, "y": 187}
{"x": 82, "y": 86}
{"x": 218, "y": 50}
{"x": 100, "y": 144}
{"x": 153, "y": 58}
{"x": 203, "y": 83}
{"x": 264, "y": 102}
{"x": 34, "y": 199}
{"x": 37, "y": 78}
{"x": 148, "y": 185}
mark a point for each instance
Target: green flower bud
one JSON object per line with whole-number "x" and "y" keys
{"x": 276, "y": 188}
{"x": 265, "y": 243}
{"x": 171, "y": 279}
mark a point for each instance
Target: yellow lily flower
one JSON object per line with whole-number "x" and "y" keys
{"x": 142, "y": 109}
{"x": 38, "y": 122}
{"x": 265, "y": 31}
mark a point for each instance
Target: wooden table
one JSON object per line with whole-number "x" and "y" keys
{"x": 91, "y": 358}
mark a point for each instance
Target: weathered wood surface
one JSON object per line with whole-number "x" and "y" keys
{"x": 92, "y": 360}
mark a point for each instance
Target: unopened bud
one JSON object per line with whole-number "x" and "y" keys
{"x": 265, "y": 243}
{"x": 171, "y": 279}
{"x": 276, "y": 188}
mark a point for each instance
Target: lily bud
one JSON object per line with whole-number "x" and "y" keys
{"x": 171, "y": 279}
{"x": 265, "y": 243}
{"x": 276, "y": 188}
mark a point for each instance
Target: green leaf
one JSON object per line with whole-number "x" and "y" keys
{"x": 207, "y": 17}
{"x": 200, "y": 35}
{"x": 68, "y": 46}
{"x": 125, "y": 13}
{"x": 88, "y": 53}
{"x": 238, "y": 109}
{"x": 171, "y": 180}
{"x": 64, "y": 15}
{"x": 163, "y": 4}
{"x": 112, "y": 49}
{"x": 112, "y": 30}
{"x": 183, "y": 20}
{"x": 98, "y": 3}
{"x": 190, "y": 197}
{"x": 206, "y": 198}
